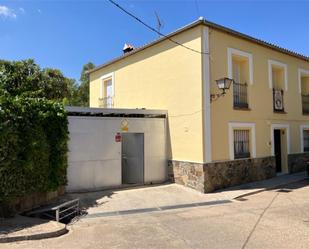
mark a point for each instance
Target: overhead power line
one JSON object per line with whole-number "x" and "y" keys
{"x": 153, "y": 29}
{"x": 197, "y": 8}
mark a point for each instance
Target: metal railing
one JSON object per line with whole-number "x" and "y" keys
{"x": 305, "y": 103}
{"x": 107, "y": 102}
{"x": 240, "y": 95}
{"x": 66, "y": 210}
{"x": 241, "y": 144}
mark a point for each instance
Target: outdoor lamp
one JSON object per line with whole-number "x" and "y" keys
{"x": 223, "y": 84}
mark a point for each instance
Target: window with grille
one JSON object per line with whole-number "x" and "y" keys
{"x": 241, "y": 144}
{"x": 306, "y": 140}
{"x": 240, "y": 95}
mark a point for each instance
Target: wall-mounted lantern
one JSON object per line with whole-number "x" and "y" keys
{"x": 223, "y": 85}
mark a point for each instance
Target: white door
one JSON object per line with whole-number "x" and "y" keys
{"x": 109, "y": 93}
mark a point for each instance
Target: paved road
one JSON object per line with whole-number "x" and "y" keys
{"x": 272, "y": 219}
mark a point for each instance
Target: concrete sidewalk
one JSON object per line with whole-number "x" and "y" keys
{"x": 23, "y": 228}
{"x": 170, "y": 196}
{"x": 269, "y": 220}
{"x": 146, "y": 199}
{"x": 257, "y": 187}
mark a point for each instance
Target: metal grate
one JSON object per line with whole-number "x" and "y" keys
{"x": 305, "y": 103}
{"x": 241, "y": 144}
{"x": 240, "y": 95}
{"x": 107, "y": 102}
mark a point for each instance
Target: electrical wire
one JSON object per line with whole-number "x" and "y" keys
{"x": 153, "y": 29}
{"x": 197, "y": 7}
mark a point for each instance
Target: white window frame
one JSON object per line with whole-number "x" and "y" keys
{"x": 233, "y": 51}
{"x": 103, "y": 79}
{"x": 206, "y": 95}
{"x": 272, "y": 63}
{"x": 280, "y": 126}
{"x": 300, "y": 73}
{"x": 239, "y": 125}
{"x": 301, "y": 130}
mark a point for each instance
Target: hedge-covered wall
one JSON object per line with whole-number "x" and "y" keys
{"x": 33, "y": 146}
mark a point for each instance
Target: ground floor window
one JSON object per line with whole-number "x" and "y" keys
{"x": 306, "y": 140}
{"x": 241, "y": 144}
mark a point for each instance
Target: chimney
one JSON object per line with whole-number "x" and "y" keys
{"x": 127, "y": 48}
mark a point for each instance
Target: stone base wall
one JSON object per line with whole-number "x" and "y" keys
{"x": 216, "y": 175}
{"x": 297, "y": 162}
{"x": 26, "y": 203}
{"x": 187, "y": 174}
{"x": 230, "y": 173}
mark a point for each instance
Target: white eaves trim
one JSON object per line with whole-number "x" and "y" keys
{"x": 105, "y": 77}
{"x": 233, "y": 51}
{"x": 270, "y": 74}
{"x": 300, "y": 73}
{"x": 235, "y": 125}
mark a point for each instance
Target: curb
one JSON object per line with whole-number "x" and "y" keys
{"x": 35, "y": 236}
{"x": 268, "y": 188}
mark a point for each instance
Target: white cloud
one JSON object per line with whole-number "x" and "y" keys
{"x": 6, "y": 12}
{"x": 22, "y": 10}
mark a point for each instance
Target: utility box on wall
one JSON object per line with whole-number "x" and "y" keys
{"x": 115, "y": 147}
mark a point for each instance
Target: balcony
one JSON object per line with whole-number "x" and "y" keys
{"x": 278, "y": 105}
{"x": 240, "y": 95}
{"x": 107, "y": 102}
{"x": 305, "y": 103}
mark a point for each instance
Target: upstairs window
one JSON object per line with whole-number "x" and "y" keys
{"x": 240, "y": 94}
{"x": 303, "y": 78}
{"x": 240, "y": 69}
{"x": 278, "y": 83}
{"x": 106, "y": 99}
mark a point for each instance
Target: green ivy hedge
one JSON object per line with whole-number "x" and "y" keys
{"x": 33, "y": 146}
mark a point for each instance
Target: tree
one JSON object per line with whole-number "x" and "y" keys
{"x": 83, "y": 89}
{"x": 26, "y": 78}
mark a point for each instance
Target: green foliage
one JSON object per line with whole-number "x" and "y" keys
{"x": 33, "y": 145}
{"x": 34, "y": 127}
{"x": 25, "y": 78}
{"x": 81, "y": 93}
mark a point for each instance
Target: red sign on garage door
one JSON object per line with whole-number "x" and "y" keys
{"x": 118, "y": 137}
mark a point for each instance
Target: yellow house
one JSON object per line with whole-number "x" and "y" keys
{"x": 260, "y": 127}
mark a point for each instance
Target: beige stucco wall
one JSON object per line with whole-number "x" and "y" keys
{"x": 260, "y": 96}
{"x": 163, "y": 76}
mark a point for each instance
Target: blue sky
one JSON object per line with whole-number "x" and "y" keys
{"x": 67, "y": 34}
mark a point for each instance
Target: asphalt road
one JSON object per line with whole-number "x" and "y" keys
{"x": 271, "y": 219}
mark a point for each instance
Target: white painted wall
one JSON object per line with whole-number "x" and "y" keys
{"x": 94, "y": 157}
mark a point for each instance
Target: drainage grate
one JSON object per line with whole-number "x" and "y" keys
{"x": 241, "y": 199}
{"x": 284, "y": 190}
{"x": 157, "y": 209}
